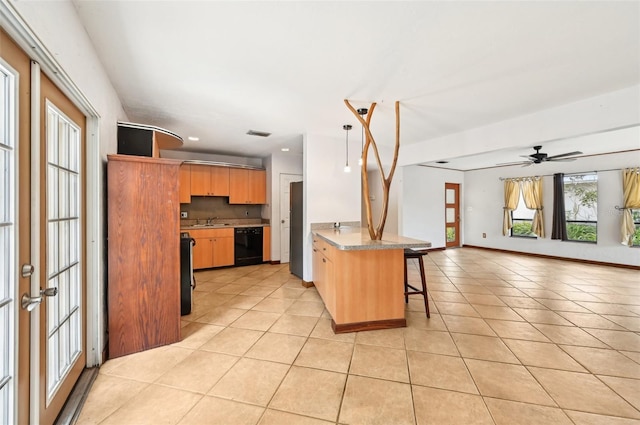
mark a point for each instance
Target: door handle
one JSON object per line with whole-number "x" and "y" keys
{"x": 28, "y": 302}
{"x": 27, "y": 270}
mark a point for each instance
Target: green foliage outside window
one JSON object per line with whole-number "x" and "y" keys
{"x": 522, "y": 228}
{"x": 581, "y": 232}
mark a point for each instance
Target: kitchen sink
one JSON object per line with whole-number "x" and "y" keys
{"x": 203, "y": 226}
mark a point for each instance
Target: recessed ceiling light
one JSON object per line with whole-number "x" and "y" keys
{"x": 193, "y": 138}
{"x": 442, "y": 162}
{"x": 285, "y": 149}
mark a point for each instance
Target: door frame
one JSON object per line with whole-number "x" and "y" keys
{"x": 456, "y": 205}
{"x": 15, "y": 26}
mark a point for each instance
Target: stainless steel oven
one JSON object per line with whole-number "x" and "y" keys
{"x": 248, "y": 246}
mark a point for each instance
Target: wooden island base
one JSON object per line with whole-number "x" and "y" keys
{"x": 361, "y": 282}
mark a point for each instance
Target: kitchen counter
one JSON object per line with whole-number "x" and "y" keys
{"x": 357, "y": 238}
{"x": 361, "y": 281}
{"x": 220, "y": 226}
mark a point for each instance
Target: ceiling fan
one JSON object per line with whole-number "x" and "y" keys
{"x": 539, "y": 157}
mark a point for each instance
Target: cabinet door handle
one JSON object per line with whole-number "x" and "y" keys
{"x": 324, "y": 260}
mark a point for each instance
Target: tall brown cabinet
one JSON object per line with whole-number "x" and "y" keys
{"x": 143, "y": 253}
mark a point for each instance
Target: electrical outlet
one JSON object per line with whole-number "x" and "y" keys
{"x": 183, "y": 214}
{"x": 484, "y": 235}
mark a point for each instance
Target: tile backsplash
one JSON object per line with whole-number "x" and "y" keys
{"x": 218, "y": 207}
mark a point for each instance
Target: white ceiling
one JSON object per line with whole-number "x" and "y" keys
{"x": 216, "y": 69}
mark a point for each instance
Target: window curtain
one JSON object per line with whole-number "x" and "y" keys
{"x": 511, "y": 198}
{"x": 559, "y": 226}
{"x": 532, "y": 195}
{"x": 631, "y": 189}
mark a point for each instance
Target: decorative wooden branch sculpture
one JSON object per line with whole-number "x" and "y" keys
{"x": 376, "y": 233}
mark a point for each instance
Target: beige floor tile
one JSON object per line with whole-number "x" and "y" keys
{"x": 583, "y": 392}
{"x": 484, "y": 299}
{"x": 590, "y": 320}
{"x": 483, "y": 348}
{"x": 154, "y": 404}
{"x": 107, "y": 394}
{"x": 147, "y": 366}
{"x": 328, "y": 355}
{"x": 627, "y": 322}
{"x": 392, "y": 338}
{"x": 468, "y": 325}
{"x": 291, "y": 293}
{"x": 569, "y": 335}
{"x": 234, "y": 288}
{"x": 620, "y": 340}
{"x": 521, "y": 302}
{"x": 380, "y": 362}
{"x": 274, "y": 305}
{"x": 497, "y": 312}
{"x": 562, "y": 305}
{"x": 376, "y": 402}
{"x": 604, "y": 361}
{"x": 505, "y": 381}
{"x": 258, "y": 291}
{"x": 435, "y": 342}
{"x": 629, "y": 389}
{"x": 543, "y": 293}
{"x": 534, "y": 315}
{"x": 251, "y": 381}
{"x": 221, "y": 316}
{"x": 456, "y": 309}
{"x": 256, "y": 320}
{"x": 516, "y": 330}
{"x": 444, "y": 372}
{"x": 232, "y": 341}
{"x": 323, "y": 330}
{"x": 581, "y": 418}
{"x": 244, "y": 302}
{"x": 440, "y": 407}
{"x": 213, "y": 410}
{"x": 310, "y": 392}
{"x": 277, "y": 348}
{"x": 472, "y": 289}
{"x": 198, "y": 372}
{"x": 542, "y": 354}
{"x": 194, "y": 334}
{"x": 578, "y": 296}
{"x": 506, "y": 412}
{"x": 294, "y": 325}
{"x": 306, "y": 308}
{"x": 452, "y": 297}
{"x": 607, "y": 308}
{"x": 507, "y": 291}
{"x": 420, "y": 321}
{"x": 633, "y": 355}
{"x": 276, "y": 417}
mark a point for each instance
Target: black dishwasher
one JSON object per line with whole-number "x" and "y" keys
{"x": 248, "y": 246}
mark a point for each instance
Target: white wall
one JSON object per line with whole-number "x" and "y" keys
{"x": 56, "y": 25}
{"x": 484, "y": 199}
{"x": 330, "y": 194}
{"x": 279, "y": 163}
{"x": 422, "y": 214}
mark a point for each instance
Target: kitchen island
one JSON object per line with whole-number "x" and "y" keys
{"x": 361, "y": 281}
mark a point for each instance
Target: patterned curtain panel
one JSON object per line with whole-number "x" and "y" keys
{"x": 511, "y": 198}
{"x": 532, "y": 194}
{"x": 559, "y": 225}
{"x": 631, "y": 188}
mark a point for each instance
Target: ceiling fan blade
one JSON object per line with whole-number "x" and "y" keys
{"x": 528, "y": 164}
{"x": 561, "y": 159}
{"x": 562, "y": 155}
{"x": 515, "y": 163}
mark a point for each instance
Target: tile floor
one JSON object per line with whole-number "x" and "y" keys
{"x": 511, "y": 340}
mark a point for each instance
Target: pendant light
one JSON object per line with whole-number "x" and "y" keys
{"x": 347, "y": 127}
{"x": 361, "y": 112}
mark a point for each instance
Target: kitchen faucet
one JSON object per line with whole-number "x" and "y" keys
{"x": 211, "y": 219}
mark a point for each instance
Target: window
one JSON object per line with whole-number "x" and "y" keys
{"x": 522, "y": 217}
{"x": 581, "y": 206}
{"x": 636, "y": 221}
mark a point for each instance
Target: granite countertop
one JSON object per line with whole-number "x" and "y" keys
{"x": 357, "y": 238}
{"x": 220, "y": 226}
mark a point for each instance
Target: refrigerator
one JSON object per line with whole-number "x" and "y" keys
{"x": 296, "y": 232}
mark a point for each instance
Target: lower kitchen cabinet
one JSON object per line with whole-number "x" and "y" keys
{"x": 266, "y": 243}
{"x": 213, "y": 248}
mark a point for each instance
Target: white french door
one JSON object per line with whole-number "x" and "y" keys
{"x": 8, "y": 244}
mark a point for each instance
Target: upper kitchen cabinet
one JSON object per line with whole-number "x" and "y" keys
{"x": 247, "y": 186}
{"x": 207, "y": 180}
{"x": 185, "y": 184}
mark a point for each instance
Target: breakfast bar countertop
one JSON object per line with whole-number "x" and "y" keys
{"x": 357, "y": 239}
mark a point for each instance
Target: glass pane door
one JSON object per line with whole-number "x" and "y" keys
{"x": 8, "y": 246}
{"x": 64, "y": 323}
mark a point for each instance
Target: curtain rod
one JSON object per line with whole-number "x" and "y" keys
{"x": 569, "y": 174}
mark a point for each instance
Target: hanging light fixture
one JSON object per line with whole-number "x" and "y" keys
{"x": 361, "y": 112}
{"x": 347, "y": 127}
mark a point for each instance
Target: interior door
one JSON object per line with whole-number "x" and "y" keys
{"x": 285, "y": 214}
{"x": 62, "y": 355}
{"x": 15, "y": 231}
{"x": 452, "y": 214}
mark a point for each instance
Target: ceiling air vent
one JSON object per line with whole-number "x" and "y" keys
{"x": 258, "y": 133}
